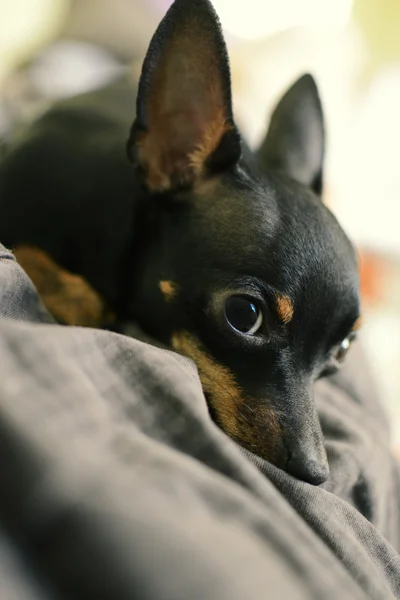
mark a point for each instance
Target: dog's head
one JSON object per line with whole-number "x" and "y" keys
{"x": 244, "y": 270}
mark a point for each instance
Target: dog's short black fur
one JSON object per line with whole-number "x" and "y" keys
{"x": 234, "y": 262}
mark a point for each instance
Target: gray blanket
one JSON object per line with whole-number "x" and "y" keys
{"x": 115, "y": 484}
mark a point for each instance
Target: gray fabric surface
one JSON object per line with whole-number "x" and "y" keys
{"x": 114, "y": 483}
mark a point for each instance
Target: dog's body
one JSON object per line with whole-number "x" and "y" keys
{"x": 76, "y": 191}
{"x": 239, "y": 266}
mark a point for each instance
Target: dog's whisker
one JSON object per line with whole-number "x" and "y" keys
{"x": 242, "y": 415}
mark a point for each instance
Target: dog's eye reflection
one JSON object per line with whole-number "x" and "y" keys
{"x": 243, "y": 315}
{"x": 343, "y": 349}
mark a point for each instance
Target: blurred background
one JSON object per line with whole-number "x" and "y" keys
{"x": 52, "y": 49}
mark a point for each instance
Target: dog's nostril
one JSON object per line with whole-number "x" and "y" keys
{"x": 311, "y": 470}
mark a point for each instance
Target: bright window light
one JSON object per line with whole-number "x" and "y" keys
{"x": 253, "y": 19}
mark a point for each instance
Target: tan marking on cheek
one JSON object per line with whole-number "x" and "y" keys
{"x": 251, "y": 423}
{"x": 217, "y": 381}
{"x": 68, "y": 297}
{"x": 169, "y": 289}
{"x": 357, "y": 325}
{"x": 285, "y": 309}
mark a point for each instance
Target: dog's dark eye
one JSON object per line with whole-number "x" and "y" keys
{"x": 342, "y": 350}
{"x": 243, "y": 315}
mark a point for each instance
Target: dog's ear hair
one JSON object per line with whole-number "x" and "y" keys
{"x": 295, "y": 141}
{"x": 184, "y": 127}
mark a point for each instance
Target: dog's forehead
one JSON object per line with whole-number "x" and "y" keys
{"x": 238, "y": 217}
{"x": 272, "y": 229}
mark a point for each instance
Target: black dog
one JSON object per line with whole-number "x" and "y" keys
{"x": 236, "y": 263}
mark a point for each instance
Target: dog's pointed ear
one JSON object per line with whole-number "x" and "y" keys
{"x": 295, "y": 140}
{"x": 184, "y": 128}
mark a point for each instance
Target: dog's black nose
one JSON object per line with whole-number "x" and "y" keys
{"x": 307, "y": 468}
{"x": 302, "y": 437}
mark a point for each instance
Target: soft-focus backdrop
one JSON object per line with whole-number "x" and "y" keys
{"x": 55, "y": 48}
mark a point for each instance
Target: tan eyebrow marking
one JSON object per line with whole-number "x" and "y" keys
{"x": 285, "y": 308}
{"x": 217, "y": 380}
{"x": 358, "y": 324}
{"x": 169, "y": 289}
